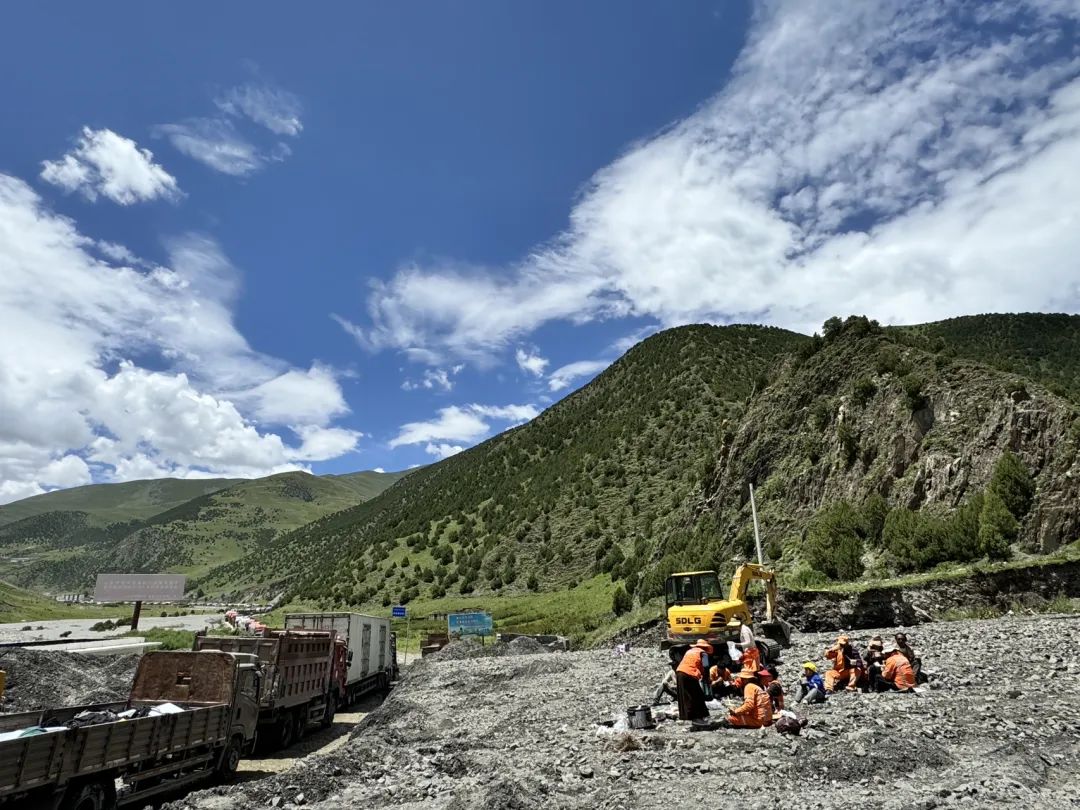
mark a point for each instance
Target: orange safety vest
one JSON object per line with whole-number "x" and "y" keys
{"x": 898, "y": 670}
{"x": 691, "y": 663}
{"x": 756, "y": 709}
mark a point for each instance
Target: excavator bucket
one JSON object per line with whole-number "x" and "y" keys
{"x": 778, "y": 630}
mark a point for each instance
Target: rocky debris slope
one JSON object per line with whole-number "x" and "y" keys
{"x": 999, "y": 728}
{"x": 39, "y": 679}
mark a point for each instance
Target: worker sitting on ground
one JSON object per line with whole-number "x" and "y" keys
{"x": 776, "y": 696}
{"x": 688, "y": 677}
{"x": 896, "y": 674}
{"x": 873, "y": 660}
{"x": 847, "y": 666}
{"x": 723, "y": 685}
{"x": 756, "y": 710}
{"x": 811, "y": 687}
{"x": 911, "y": 654}
{"x": 666, "y": 687}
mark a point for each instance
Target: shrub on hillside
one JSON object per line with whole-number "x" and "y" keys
{"x": 621, "y": 601}
{"x": 1013, "y": 484}
{"x": 863, "y": 391}
{"x": 913, "y": 392}
{"x": 874, "y": 511}
{"x": 834, "y": 542}
{"x": 997, "y": 527}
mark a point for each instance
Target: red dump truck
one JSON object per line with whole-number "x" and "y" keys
{"x": 371, "y": 653}
{"x": 302, "y": 674}
{"x": 189, "y": 715}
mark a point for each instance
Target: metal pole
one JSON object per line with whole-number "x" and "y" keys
{"x": 757, "y": 533}
{"x": 408, "y": 624}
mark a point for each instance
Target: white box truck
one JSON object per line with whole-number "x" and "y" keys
{"x": 372, "y": 655}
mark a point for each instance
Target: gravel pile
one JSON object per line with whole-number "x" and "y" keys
{"x": 39, "y": 679}
{"x": 1000, "y": 728}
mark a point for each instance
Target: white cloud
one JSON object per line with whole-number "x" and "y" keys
{"x": 565, "y": 376}
{"x": 461, "y": 423}
{"x": 434, "y": 378}
{"x": 112, "y": 166}
{"x": 271, "y": 107}
{"x": 378, "y": 470}
{"x": 901, "y": 160}
{"x": 216, "y": 143}
{"x": 443, "y": 450}
{"x": 74, "y": 406}
{"x": 531, "y": 362}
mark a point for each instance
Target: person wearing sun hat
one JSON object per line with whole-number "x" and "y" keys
{"x": 846, "y": 668}
{"x": 756, "y": 710}
{"x": 688, "y": 677}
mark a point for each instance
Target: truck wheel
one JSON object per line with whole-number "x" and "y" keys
{"x": 286, "y": 726}
{"x": 328, "y": 715}
{"x": 230, "y": 759}
{"x": 301, "y": 720}
{"x": 91, "y": 796}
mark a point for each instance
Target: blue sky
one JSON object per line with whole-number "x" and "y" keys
{"x": 242, "y": 239}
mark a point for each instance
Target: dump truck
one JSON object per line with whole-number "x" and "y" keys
{"x": 698, "y": 609}
{"x": 303, "y": 671}
{"x": 189, "y": 715}
{"x": 371, "y": 660}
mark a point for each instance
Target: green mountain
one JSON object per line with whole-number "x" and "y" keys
{"x": 65, "y": 549}
{"x": 114, "y": 503}
{"x": 871, "y": 453}
{"x": 1041, "y": 347}
{"x": 592, "y": 478}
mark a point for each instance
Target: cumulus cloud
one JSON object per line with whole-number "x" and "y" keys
{"x": 443, "y": 450}
{"x": 899, "y": 160}
{"x": 565, "y": 376}
{"x": 271, "y": 107}
{"x": 460, "y": 423}
{"x": 105, "y": 164}
{"x": 76, "y": 314}
{"x": 531, "y": 362}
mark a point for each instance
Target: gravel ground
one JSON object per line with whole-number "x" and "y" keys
{"x": 54, "y": 629}
{"x": 1001, "y": 727}
{"x": 39, "y": 679}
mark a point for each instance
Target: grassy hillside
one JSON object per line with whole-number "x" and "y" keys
{"x": 59, "y": 550}
{"x": 560, "y": 499}
{"x": 20, "y": 605}
{"x": 1041, "y": 347}
{"x": 114, "y": 503}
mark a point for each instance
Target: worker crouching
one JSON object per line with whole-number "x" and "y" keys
{"x": 846, "y": 666}
{"x": 756, "y": 710}
{"x": 897, "y": 674}
{"x": 688, "y": 677}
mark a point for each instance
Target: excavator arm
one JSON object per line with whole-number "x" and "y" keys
{"x": 774, "y": 627}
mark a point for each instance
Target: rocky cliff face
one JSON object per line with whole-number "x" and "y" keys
{"x": 866, "y": 415}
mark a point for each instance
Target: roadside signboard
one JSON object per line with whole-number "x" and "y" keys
{"x": 472, "y": 623}
{"x": 398, "y": 612}
{"x": 139, "y": 587}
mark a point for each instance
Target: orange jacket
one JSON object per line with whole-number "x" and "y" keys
{"x": 691, "y": 663}
{"x": 756, "y": 708}
{"x": 898, "y": 670}
{"x": 839, "y": 658}
{"x": 719, "y": 674}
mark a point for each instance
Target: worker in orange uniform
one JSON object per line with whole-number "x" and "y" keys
{"x": 688, "y": 677}
{"x": 846, "y": 667}
{"x": 897, "y": 674}
{"x": 751, "y": 654}
{"x": 756, "y": 710}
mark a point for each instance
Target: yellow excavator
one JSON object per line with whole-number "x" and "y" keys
{"x": 697, "y": 609}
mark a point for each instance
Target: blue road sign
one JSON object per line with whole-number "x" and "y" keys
{"x": 470, "y": 624}
{"x": 398, "y": 612}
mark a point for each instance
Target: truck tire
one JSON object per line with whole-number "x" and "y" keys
{"x": 328, "y": 713}
{"x": 300, "y": 719}
{"x": 286, "y": 726}
{"x": 94, "y": 795}
{"x": 230, "y": 759}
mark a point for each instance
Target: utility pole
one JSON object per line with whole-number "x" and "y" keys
{"x": 757, "y": 533}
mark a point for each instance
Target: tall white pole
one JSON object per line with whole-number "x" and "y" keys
{"x": 757, "y": 532}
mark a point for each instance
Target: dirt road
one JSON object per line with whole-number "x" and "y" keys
{"x": 80, "y": 628}
{"x": 315, "y": 742}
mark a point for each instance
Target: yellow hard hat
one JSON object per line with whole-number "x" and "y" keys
{"x": 810, "y": 665}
